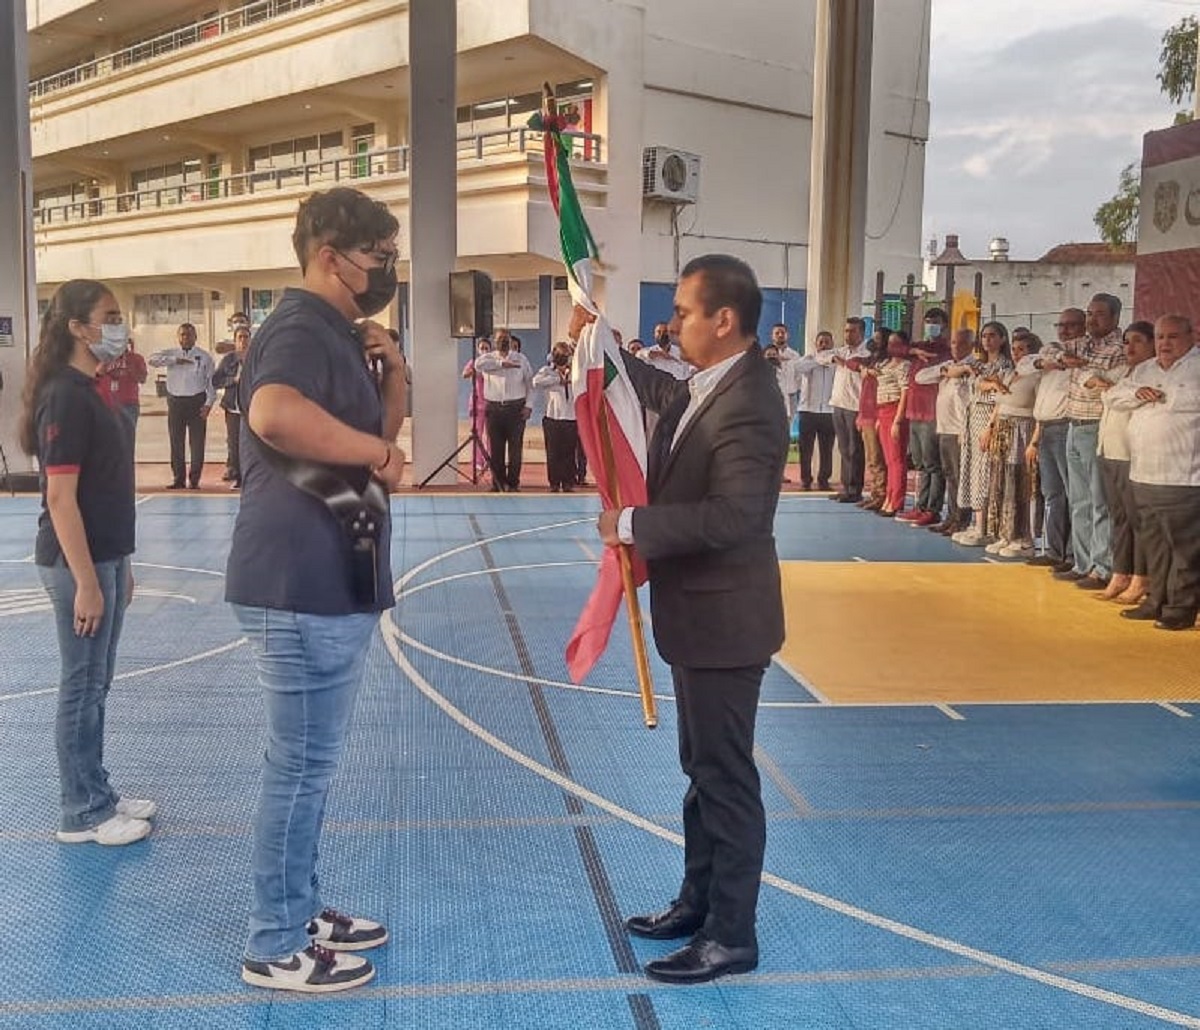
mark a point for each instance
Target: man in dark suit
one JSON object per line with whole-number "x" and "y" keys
{"x": 715, "y": 464}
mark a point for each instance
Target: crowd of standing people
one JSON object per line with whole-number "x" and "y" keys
{"x": 1089, "y": 443}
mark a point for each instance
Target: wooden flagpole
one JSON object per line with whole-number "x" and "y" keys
{"x": 632, "y": 606}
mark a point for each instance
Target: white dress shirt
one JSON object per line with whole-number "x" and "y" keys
{"x": 502, "y": 383}
{"x": 560, "y": 402}
{"x": 816, "y": 383}
{"x": 788, "y": 378}
{"x": 847, "y": 385}
{"x": 192, "y": 376}
{"x": 1164, "y": 436}
{"x": 700, "y": 386}
{"x": 667, "y": 361}
{"x": 1053, "y": 389}
{"x": 953, "y": 397}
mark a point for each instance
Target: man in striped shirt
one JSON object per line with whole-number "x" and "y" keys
{"x": 1098, "y": 352}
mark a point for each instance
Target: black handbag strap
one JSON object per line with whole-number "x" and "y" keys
{"x": 362, "y": 515}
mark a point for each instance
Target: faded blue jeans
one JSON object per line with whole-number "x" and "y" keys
{"x": 310, "y": 668}
{"x": 87, "y": 673}
{"x": 1091, "y": 533}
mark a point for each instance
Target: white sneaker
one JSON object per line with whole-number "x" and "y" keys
{"x": 969, "y": 538}
{"x": 996, "y": 546}
{"x": 337, "y": 932}
{"x": 120, "y": 829}
{"x": 315, "y": 970}
{"x": 137, "y": 808}
{"x": 1017, "y": 549}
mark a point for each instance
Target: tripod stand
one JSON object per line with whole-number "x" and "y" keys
{"x": 473, "y": 439}
{"x": 12, "y": 490}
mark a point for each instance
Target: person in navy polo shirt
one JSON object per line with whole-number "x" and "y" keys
{"x": 84, "y": 539}
{"x": 314, "y": 406}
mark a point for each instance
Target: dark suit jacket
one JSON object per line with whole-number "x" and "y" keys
{"x": 708, "y": 532}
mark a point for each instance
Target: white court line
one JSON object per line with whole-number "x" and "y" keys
{"x": 135, "y": 673}
{"x": 1175, "y": 710}
{"x": 489, "y": 670}
{"x": 590, "y": 552}
{"x": 795, "y": 674}
{"x": 144, "y": 499}
{"x": 176, "y": 568}
{"x": 861, "y": 561}
{"x": 391, "y": 636}
{"x": 391, "y": 641}
{"x": 486, "y": 572}
{"x": 994, "y": 561}
{"x": 950, "y": 713}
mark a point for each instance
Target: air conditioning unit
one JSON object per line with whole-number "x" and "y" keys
{"x": 669, "y": 174}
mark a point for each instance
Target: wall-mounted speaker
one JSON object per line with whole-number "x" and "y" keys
{"x": 470, "y": 304}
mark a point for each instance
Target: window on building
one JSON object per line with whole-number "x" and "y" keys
{"x": 293, "y": 153}
{"x": 179, "y": 180}
{"x": 515, "y": 304}
{"x": 151, "y": 309}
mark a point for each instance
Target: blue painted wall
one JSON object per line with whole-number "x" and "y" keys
{"x": 779, "y": 305}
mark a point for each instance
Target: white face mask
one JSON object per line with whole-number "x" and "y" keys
{"x": 933, "y": 330}
{"x": 114, "y": 339}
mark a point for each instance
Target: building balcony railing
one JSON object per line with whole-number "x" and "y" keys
{"x": 203, "y": 31}
{"x": 388, "y": 163}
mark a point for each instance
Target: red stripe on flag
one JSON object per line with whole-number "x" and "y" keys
{"x": 591, "y": 633}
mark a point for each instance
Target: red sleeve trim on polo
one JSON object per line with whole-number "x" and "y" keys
{"x": 62, "y": 470}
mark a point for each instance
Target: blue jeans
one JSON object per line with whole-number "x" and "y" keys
{"x": 1090, "y": 529}
{"x": 87, "y": 673}
{"x": 1053, "y": 473}
{"x": 309, "y": 667}
{"x": 926, "y": 457}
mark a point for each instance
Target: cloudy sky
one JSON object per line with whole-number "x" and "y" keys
{"x": 1037, "y": 105}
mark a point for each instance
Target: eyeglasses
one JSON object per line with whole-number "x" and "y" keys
{"x": 1067, "y": 325}
{"x": 386, "y": 258}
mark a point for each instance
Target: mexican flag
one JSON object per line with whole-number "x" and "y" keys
{"x": 607, "y": 410}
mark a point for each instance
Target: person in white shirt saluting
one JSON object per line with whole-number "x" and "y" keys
{"x": 190, "y": 397}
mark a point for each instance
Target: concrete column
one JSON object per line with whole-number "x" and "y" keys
{"x": 841, "y": 134}
{"x": 18, "y": 295}
{"x": 433, "y": 234}
{"x": 618, "y": 112}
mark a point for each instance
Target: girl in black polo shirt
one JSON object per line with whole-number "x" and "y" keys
{"x": 84, "y": 540}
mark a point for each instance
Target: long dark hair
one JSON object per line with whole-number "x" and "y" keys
{"x": 56, "y": 346}
{"x": 1002, "y": 329}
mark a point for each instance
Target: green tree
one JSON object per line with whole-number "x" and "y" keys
{"x": 1177, "y": 61}
{"x": 1117, "y": 218}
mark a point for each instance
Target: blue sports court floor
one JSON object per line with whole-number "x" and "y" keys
{"x": 958, "y": 838}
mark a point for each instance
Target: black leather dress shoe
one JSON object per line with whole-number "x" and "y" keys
{"x": 1069, "y": 576}
{"x": 676, "y": 920}
{"x": 1140, "y": 614}
{"x": 700, "y": 960}
{"x": 1175, "y": 622}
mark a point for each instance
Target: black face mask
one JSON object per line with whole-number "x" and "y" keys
{"x": 560, "y": 359}
{"x": 381, "y": 288}
{"x": 663, "y": 340}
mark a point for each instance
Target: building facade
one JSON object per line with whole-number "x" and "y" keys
{"x": 172, "y": 141}
{"x": 1033, "y": 293}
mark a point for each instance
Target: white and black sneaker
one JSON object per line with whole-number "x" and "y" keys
{"x": 315, "y": 970}
{"x": 337, "y": 932}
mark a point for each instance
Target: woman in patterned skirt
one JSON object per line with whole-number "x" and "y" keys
{"x": 976, "y": 473}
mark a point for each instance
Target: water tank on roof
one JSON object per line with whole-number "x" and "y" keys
{"x": 998, "y": 249}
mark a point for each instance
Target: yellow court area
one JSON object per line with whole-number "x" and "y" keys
{"x": 921, "y": 633}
